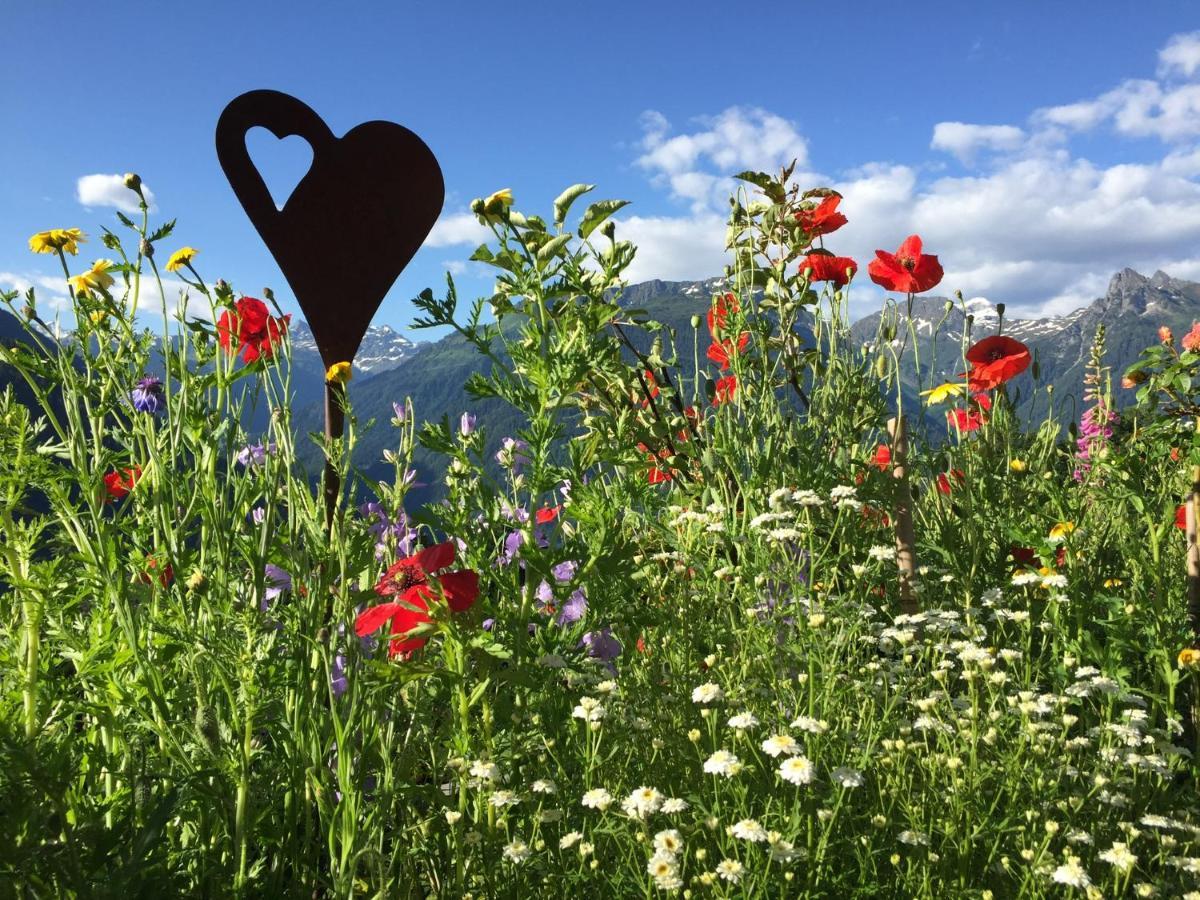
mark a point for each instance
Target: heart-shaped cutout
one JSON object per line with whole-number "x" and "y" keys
{"x": 281, "y": 162}
{"x": 353, "y": 222}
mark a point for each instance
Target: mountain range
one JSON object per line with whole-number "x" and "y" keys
{"x": 389, "y": 367}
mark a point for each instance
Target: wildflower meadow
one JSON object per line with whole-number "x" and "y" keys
{"x": 731, "y": 614}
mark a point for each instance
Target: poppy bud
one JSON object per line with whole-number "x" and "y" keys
{"x": 971, "y": 321}
{"x": 1000, "y": 309}
{"x": 949, "y": 305}
{"x": 206, "y": 727}
{"x": 695, "y": 321}
{"x": 133, "y": 181}
{"x": 881, "y": 367}
{"x": 146, "y": 248}
{"x": 269, "y": 294}
{"x": 889, "y": 331}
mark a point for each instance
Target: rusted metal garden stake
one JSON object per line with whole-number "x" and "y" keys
{"x": 906, "y": 559}
{"x": 347, "y": 231}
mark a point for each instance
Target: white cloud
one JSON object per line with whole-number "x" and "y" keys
{"x": 1181, "y": 56}
{"x": 110, "y": 190}
{"x": 964, "y": 140}
{"x": 1039, "y": 228}
{"x": 458, "y": 228}
{"x": 697, "y": 167}
{"x": 675, "y": 248}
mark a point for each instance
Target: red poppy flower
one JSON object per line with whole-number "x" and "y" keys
{"x": 546, "y": 514}
{"x": 118, "y": 484}
{"x": 995, "y": 360}
{"x": 657, "y": 476}
{"x": 165, "y": 577}
{"x": 409, "y": 581}
{"x": 882, "y": 458}
{"x": 1174, "y": 454}
{"x": 876, "y": 516}
{"x": 652, "y": 384}
{"x": 718, "y": 314}
{"x": 1022, "y": 556}
{"x": 825, "y": 267}
{"x": 725, "y": 389}
{"x": 720, "y": 351}
{"x": 908, "y": 270}
{"x": 965, "y": 420}
{"x": 257, "y": 331}
{"x": 1181, "y": 516}
{"x": 1191, "y": 340}
{"x": 944, "y": 485}
{"x": 823, "y": 218}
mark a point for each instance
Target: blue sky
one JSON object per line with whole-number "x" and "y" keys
{"x": 1037, "y": 147}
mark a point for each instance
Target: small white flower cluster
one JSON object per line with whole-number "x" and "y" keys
{"x": 589, "y": 709}
{"x": 663, "y": 866}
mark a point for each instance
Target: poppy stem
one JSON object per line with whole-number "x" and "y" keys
{"x": 906, "y": 557}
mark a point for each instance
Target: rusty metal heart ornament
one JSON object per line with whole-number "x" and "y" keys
{"x": 353, "y": 222}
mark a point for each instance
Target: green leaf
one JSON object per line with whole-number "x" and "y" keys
{"x": 162, "y": 232}
{"x": 562, "y": 203}
{"x": 595, "y": 215}
{"x": 483, "y": 253}
{"x": 552, "y": 247}
{"x": 760, "y": 179}
{"x": 125, "y": 220}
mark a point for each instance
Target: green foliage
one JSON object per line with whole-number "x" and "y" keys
{"x": 684, "y": 669}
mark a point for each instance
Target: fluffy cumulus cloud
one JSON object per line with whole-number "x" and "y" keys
{"x": 458, "y": 229}
{"x": 1023, "y": 220}
{"x": 965, "y": 141}
{"x": 110, "y": 190}
{"x": 54, "y": 304}
{"x": 696, "y": 166}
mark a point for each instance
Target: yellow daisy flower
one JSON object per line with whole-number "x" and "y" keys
{"x": 1018, "y": 465}
{"x": 1189, "y": 658}
{"x": 338, "y": 373}
{"x": 67, "y": 239}
{"x": 943, "y": 392}
{"x": 180, "y": 258}
{"x": 1060, "y": 531}
{"x": 95, "y": 279}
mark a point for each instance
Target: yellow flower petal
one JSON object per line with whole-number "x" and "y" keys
{"x": 180, "y": 258}
{"x": 338, "y": 373}
{"x": 65, "y": 239}
{"x": 944, "y": 391}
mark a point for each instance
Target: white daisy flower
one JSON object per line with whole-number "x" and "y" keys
{"x": 1072, "y": 874}
{"x": 668, "y": 841}
{"x": 674, "y": 805}
{"x": 748, "y": 830}
{"x": 730, "y": 870}
{"x": 710, "y": 692}
{"x": 516, "y": 851}
{"x": 569, "y": 840}
{"x": 797, "y": 770}
{"x": 642, "y": 802}
{"x": 743, "y": 721}
{"x": 722, "y": 762}
{"x": 780, "y": 745}
{"x": 1119, "y": 857}
{"x": 848, "y": 778}
{"x": 543, "y": 786}
{"x": 597, "y": 798}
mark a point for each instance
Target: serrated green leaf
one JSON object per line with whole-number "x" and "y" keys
{"x": 125, "y": 220}
{"x": 595, "y": 215}
{"x": 162, "y": 231}
{"x": 552, "y": 247}
{"x": 562, "y": 203}
{"x": 483, "y": 253}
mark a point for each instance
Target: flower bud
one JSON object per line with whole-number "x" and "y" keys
{"x": 609, "y": 229}
{"x": 28, "y": 311}
{"x": 269, "y": 294}
{"x": 323, "y": 636}
{"x": 1000, "y": 309}
{"x": 696, "y": 321}
{"x": 134, "y": 182}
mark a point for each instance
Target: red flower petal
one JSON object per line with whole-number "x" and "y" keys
{"x": 370, "y": 619}
{"x": 433, "y": 559}
{"x": 461, "y": 589}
